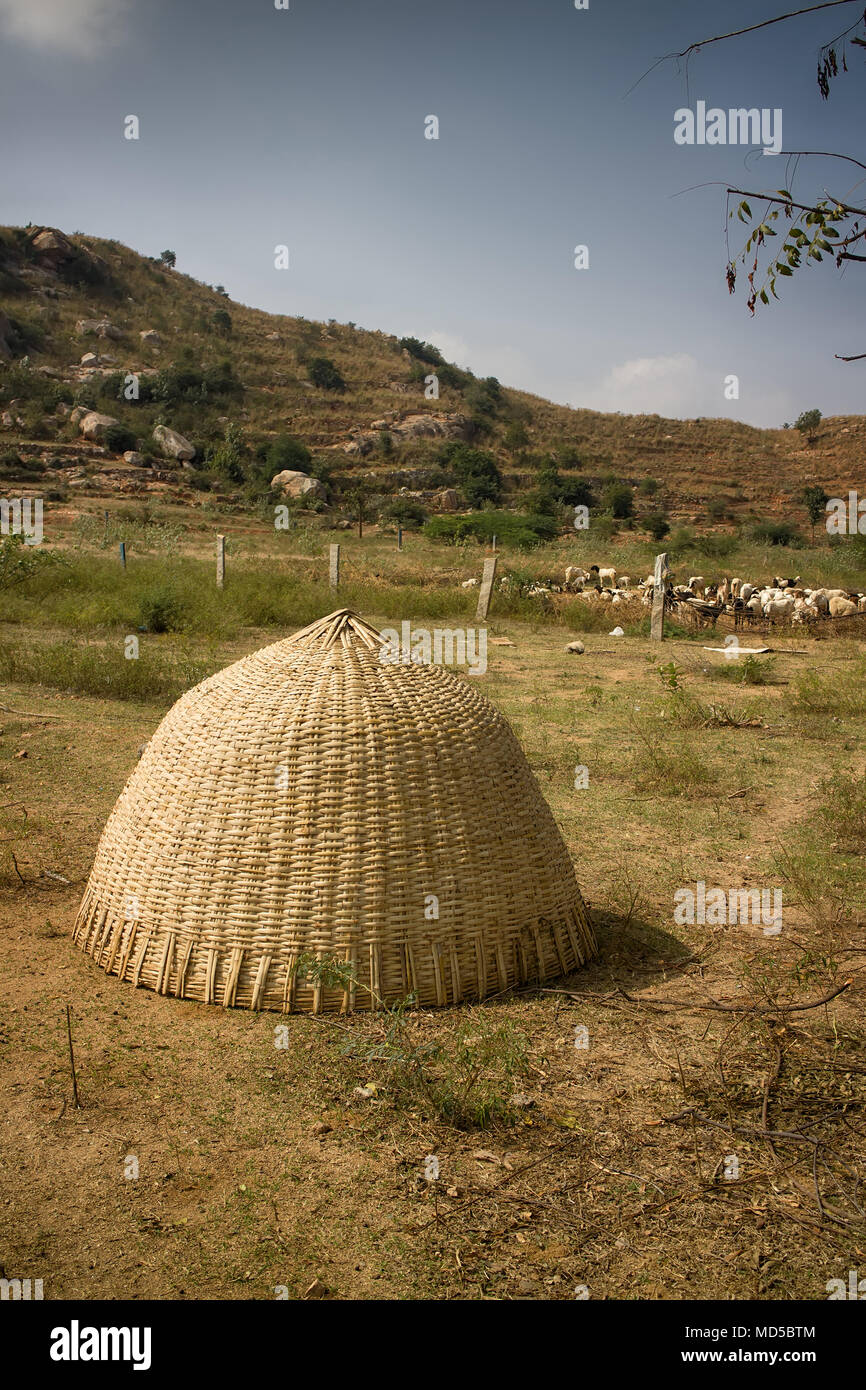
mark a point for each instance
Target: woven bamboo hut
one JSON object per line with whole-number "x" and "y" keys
{"x": 313, "y": 801}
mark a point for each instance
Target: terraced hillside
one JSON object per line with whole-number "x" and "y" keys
{"x": 209, "y": 367}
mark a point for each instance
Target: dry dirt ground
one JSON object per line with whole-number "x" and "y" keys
{"x": 708, "y": 1142}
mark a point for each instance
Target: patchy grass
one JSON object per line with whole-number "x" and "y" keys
{"x": 265, "y": 1166}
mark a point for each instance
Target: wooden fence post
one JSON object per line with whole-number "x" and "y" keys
{"x": 334, "y": 576}
{"x": 488, "y": 575}
{"x": 123, "y": 554}
{"x": 657, "y": 621}
{"x": 221, "y": 561}
{"x": 399, "y": 536}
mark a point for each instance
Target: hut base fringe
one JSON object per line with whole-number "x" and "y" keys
{"x": 166, "y": 960}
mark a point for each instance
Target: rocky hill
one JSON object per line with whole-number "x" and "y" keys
{"x": 217, "y": 383}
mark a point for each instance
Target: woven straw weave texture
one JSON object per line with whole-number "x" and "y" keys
{"x": 311, "y": 799}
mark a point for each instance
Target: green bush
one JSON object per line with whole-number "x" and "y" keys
{"x": 716, "y": 547}
{"x": 776, "y": 533}
{"x": 324, "y": 374}
{"x": 618, "y": 499}
{"x": 521, "y": 529}
{"x": 160, "y": 610}
{"x": 658, "y": 525}
{"x": 423, "y": 352}
{"x": 20, "y": 563}
{"x": 474, "y": 470}
{"x": 286, "y": 453}
{"x": 407, "y": 512}
{"x": 118, "y": 439}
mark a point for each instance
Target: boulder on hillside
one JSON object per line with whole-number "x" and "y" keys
{"x": 361, "y": 444}
{"x": 100, "y": 328}
{"x": 293, "y": 484}
{"x": 90, "y": 359}
{"x": 150, "y": 337}
{"x": 445, "y": 425}
{"x": 137, "y": 460}
{"x": 54, "y": 249}
{"x": 49, "y": 242}
{"x": 79, "y": 413}
{"x": 448, "y": 500}
{"x": 93, "y": 425}
{"x": 173, "y": 445}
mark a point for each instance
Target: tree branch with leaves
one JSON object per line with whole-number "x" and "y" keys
{"x": 810, "y": 231}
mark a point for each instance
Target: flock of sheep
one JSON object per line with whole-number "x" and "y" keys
{"x": 782, "y": 600}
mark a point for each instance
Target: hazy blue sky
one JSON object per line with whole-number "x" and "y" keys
{"x": 305, "y": 126}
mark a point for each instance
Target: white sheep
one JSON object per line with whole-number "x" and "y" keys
{"x": 779, "y": 608}
{"x": 605, "y": 576}
{"x": 574, "y": 575}
{"x": 842, "y": 607}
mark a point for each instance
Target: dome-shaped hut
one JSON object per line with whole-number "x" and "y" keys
{"x": 315, "y": 800}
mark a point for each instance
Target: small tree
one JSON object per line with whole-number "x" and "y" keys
{"x": 658, "y": 525}
{"x": 815, "y": 499}
{"x": 169, "y": 259}
{"x": 222, "y": 322}
{"x": 807, "y": 423}
{"x": 359, "y": 495}
{"x": 474, "y": 470}
{"x": 227, "y": 458}
{"x": 618, "y": 499}
{"x": 516, "y": 438}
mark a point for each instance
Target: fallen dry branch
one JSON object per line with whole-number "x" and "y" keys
{"x": 30, "y": 713}
{"x": 693, "y": 1116}
{"x": 757, "y": 1009}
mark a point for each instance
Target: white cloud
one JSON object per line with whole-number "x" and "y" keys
{"x": 672, "y": 386}
{"x": 82, "y": 27}
{"x": 679, "y": 387}
{"x": 453, "y": 349}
